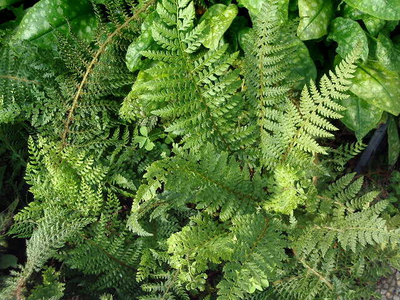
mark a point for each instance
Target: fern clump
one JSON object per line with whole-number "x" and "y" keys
{"x": 161, "y": 165}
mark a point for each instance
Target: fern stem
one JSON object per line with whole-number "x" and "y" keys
{"x": 318, "y": 274}
{"x": 18, "y": 79}
{"x": 170, "y": 284}
{"x": 85, "y": 78}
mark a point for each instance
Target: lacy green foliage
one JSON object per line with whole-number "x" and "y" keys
{"x": 24, "y": 76}
{"x": 288, "y": 128}
{"x": 344, "y": 153}
{"x": 252, "y": 244}
{"x": 337, "y": 229}
{"x": 211, "y": 182}
{"x": 235, "y": 192}
{"x": 106, "y": 249}
{"x": 339, "y": 226}
{"x": 192, "y": 90}
{"x": 50, "y": 288}
{"x": 52, "y": 231}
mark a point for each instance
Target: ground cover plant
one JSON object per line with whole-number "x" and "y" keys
{"x": 178, "y": 149}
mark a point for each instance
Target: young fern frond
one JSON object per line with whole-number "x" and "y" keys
{"x": 351, "y": 221}
{"x": 257, "y": 258}
{"x": 344, "y": 153}
{"x": 195, "y": 246}
{"x": 167, "y": 287}
{"x": 266, "y": 70}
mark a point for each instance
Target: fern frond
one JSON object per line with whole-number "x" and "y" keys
{"x": 204, "y": 241}
{"x": 53, "y": 231}
{"x": 317, "y": 106}
{"x": 350, "y": 221}
{"x": 258, "y": 257}
{"x": 193, "y": 90}
{"x": 211, "y": 182}
{"x": 288, "y": 131}
{"x": 344, "y": 153}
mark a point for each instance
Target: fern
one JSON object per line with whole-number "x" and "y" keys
{"x": 191, "y": 89}
{"x": 215, "y": 185}
{"x": 210, "y": 180}
{"x": 107, "y": 250}
{"x": 53, "y": 231}
{"x": 288, "y": 129}
{"x": 98, "y": 72}
{"x": 51, "y": 288}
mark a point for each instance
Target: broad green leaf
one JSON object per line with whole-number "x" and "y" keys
{"x": 46, "y": 16}
{"x": 383, "y": 9}
{"x": 143, "y": 42}
{"x": 387, "y": 53}
{"x": 143, "y": 131}
{"x": 7, "y": 261}
{"x": 244, "y": 38}
{"x": 218, "y": 19}
{"x": 315, "y": 16}
{"x": 348, "y": 34}
{"x": 393, "y": 141}
{"x": 352, "y": 13}
{"x": 255, "y": 6}
{"x": 360, "y": 116}
{"x": 378, "y": 86}
{"x": 373, "y": 24}
{"x": 302, "y": 66}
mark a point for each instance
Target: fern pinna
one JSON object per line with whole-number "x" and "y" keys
{"x": 243, "y": 202}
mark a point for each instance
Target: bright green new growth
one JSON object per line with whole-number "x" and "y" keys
{"x": 248, "y": 204}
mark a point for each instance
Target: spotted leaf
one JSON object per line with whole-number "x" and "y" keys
{"x": 348, "y": 34}
{"x": 46, "y": 16}
{"x": 255, "y": 6}
{"x": 218, "y": 17}
{"x": 360, "y": 116}
{"x": 143, "y": 42}
{"x": 383, "y": 9}
{"x": 378, "y": 86}
{"x": 315, "y": 16}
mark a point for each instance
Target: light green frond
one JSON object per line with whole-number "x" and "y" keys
{"x": 258, "y": 257}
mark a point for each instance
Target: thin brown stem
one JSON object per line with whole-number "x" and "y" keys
{"x": 89, "y": 69}
{"x": 18, "y": 79}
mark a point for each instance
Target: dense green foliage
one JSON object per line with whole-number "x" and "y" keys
{"x": 180, "y": 149}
